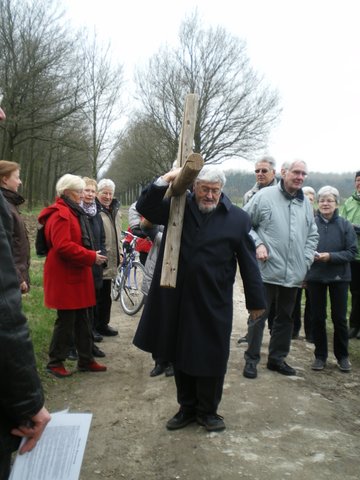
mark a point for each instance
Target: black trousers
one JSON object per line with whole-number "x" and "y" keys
{"x": 103, "y": 305}
{"x": 200, "y": 395}
{"x": 354, "y": 320}
{"x": 307, "y": 314}
{"x": 71, "y": 325}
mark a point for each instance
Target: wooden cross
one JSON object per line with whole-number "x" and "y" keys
{"x": 191, "y": 164}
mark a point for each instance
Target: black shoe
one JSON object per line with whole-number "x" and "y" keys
{"x": 243, "y": 339}
{"x": 157, "y": 370}
{"x": 97, "y": 337}
{"x": 97, "y": 352}
{"x": 211, "y": 421}
{"x": 72, "y": 355}
{"x": 108, "y": 331}
{"x": 353, "y": 331}
{"x": 309, "y": 339}
{"x": 169, "y": 371}
{"x": 295, "y": 336}
{"x": 250, "y": 370}
{"x": 180, "y": 420}
{"x": 282, "y": 368}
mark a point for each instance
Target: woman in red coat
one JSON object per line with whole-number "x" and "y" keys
{"x": 68, "y": 279}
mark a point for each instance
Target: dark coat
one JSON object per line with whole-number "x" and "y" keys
{"x": 97, "y": 228}
{"x": 21, "y": 395}
{"x": 338, "y": 238}
{"x": 20, "y": 241}
{"x": 191, "y": 324}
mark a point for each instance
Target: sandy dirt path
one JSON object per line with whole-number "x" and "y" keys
{"x": 304, "y": 428}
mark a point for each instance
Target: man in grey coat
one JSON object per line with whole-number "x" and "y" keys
{"x": 286, "y": 238}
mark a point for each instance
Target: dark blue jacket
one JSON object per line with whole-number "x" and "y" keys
{"x": 338, "y": 238}
{"x": 190, "y": 325}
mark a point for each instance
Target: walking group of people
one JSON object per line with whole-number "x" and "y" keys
{"x": 284, "y": 224}
{"x": 282, "y": 244}
{"x": 277, "y": 240}
{"x": 83, "y": 235}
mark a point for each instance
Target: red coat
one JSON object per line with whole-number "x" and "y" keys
{"x": 68, "y": 278}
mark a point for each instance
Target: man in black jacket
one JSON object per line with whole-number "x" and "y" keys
{"x": 22, "y": 411}
{"x": 190, "y": 325}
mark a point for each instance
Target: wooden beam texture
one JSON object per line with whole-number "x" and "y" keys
{"x": 177, "y": 206}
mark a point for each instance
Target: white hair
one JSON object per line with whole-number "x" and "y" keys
{"x": 69, "y": 182}
{"x": 211, "y": 174}
{"x": 106, "y": 183}
{"x": 308, "y": 190}
{"x": 329, "y": 190}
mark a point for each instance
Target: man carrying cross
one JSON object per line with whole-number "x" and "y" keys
{"x": 190, "y": 325}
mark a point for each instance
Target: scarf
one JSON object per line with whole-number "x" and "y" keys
{"x": 86, "y": 232}
{"x": 89, "y": 208}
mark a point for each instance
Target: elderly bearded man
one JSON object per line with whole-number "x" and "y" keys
{"x": 190, "y": 325}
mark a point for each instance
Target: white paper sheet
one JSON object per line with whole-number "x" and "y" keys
{"x": 59, "y": 453}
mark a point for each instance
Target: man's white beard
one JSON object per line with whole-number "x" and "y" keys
{"x": 206, "y": 208}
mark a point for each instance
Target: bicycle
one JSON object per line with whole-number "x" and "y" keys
{"x": 128, "y": 281}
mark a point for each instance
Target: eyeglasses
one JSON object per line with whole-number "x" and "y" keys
{"x": 214, "y": 191}
{"x": 299, "y": 173}
{"x": 326, "y": 201}
{"x": 262, "y": 170}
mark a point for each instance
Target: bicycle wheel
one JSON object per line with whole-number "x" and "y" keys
{"x": 115, "y": 286}
{"x": 131, "y": 296}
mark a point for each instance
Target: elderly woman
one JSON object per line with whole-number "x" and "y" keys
{"x": 68, "y": 277}
{"x": 9, "y": 184}
{"x": 111, "y": 216}
{"x": 331, "y": 272}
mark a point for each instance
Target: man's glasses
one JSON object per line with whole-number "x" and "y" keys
{"x": 262, "y": 170}
{"x": 206, "y": 190}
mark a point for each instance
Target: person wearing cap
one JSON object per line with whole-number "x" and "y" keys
{"x": 351, "y": 211}
{"x": 330, "y": 275}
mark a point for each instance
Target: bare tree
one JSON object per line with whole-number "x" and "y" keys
{"x": 143, "y": 154}
{"x": 40, "y": 82}
{"x": 236, "y": 110}
{"x": 102, "y": 107}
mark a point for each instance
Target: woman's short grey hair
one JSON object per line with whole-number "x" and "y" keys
{"x": 328, "y": 190}
{"x": 211, "y": 174}
{"x": 69, "y": 182}
{"x": 308, "y": 190}
{"x": 106, "y": 183}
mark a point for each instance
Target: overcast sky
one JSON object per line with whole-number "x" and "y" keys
{"x": 308, "y": 49}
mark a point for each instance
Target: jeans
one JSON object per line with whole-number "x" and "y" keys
{"x": 338, "y": 292}
{"x": 282, "y": 326}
